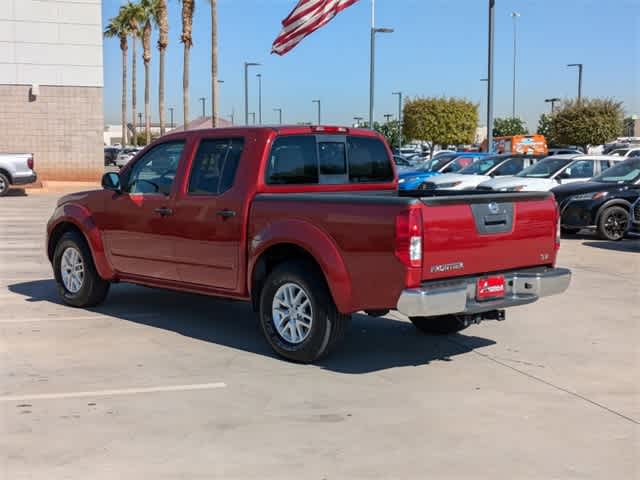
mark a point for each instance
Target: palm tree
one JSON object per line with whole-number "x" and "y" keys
{"x": 147, "y": 10}
{"x": 214, "y": 63}
{"x": 162, "y": 20}
{"x": 133, "y": 13}
{"x": 118, "y": 26}
{"x": 186, "y": 38}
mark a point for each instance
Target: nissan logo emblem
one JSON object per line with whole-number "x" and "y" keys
{"x": 493, "y": 207}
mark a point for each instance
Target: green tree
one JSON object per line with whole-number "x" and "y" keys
{"x": 544, "y": 127}
{"x": 390, "y": 131}
{"x": 119, "y": 27}
{"x": 587, "y": 122}
{"x": 506, "y": 127}
{"x": 440, "y": 121}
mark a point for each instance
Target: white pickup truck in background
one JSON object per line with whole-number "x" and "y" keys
{"x": 16, "y": 169}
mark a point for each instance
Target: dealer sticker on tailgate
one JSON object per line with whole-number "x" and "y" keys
{"x": 489, "y": 288}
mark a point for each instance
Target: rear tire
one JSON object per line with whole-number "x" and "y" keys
{"x": 613, "y": 223}
{"x": 79, "y": 284}
{"x": 326, "y": 327}
{"x": 441, "y": 325}
{"x": 4, "y": 185}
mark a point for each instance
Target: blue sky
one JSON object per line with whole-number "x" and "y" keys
{"x": 438, "y": 48}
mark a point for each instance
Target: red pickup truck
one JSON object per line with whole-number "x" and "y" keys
{"x": 306, "y": 224}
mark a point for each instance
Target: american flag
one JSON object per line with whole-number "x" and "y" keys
{"x": 304, "y": 19}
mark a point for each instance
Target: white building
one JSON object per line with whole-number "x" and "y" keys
{"x": 51, "y": 85}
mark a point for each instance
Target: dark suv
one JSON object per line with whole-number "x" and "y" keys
{"x": 603, "y": 203}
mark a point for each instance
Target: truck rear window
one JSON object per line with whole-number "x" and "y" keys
{"x": 305, "y": 159}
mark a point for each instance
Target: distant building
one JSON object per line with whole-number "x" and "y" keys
{"x": 51, "y": 85}
{"x": 632, "y": 126}
{"x": 203, "y": 122}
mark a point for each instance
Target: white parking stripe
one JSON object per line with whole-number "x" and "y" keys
{"x": 104, "y": 393}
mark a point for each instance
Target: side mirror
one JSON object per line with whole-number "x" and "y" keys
{"x": 111, "y": 181}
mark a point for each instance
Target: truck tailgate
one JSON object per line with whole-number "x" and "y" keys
{"x": 474, "y": 234}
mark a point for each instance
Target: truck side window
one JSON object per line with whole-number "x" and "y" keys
{"x": 368, "y": 160}
{"x": 293, "y": 160}
{"x": 155, "y": 172}
{"x": 214, "y": 166}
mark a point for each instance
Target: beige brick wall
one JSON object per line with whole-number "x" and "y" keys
{"x": 62, "y": 127}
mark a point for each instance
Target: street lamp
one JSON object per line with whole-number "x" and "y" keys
{"x": 399, "y": 94}
{"x": 515, "y": 16}
{"x": 492, "y": 4}
{"x": 387, "y": 116}
{"x": 246, "y": 89}
{"x": 203, "y": 99}
{"x": 279, "y": 110}
{"x": 372, "y": 58}
{"x": 579, "y": 65}
{"x": 318, "y": 102}
{"x": 171, "y": 112}
{"x": 358, "y": 120}
{"x": 259, "y": 75}
{"x": 552, "y": 101}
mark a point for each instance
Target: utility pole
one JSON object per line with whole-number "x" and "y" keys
{"x": 203, "y": 99}
{"x": 318, "y": 102}
{"x": 579, "y": 65}
{"x": 552, "y": 101}
{"x": 246, "y": 89}
{"x": 372, "y": 59}
{"x": 399, "y": 94}
{"x": 492, "y": 4}
{"x": 279, "y": 110}
{"x": 515, "y": 16}
{"x": 259, "y": 75}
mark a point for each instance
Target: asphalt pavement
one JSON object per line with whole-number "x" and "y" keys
{"x": 162, "y": 385}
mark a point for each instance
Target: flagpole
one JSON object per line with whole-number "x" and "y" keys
{"x": 372, "y": 60}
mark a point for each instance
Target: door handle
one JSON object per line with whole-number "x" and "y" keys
{"x": 163, "y": 211}
{"x": 226, "y": 213}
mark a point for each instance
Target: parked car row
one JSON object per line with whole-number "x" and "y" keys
{"x": 119, "y": 156}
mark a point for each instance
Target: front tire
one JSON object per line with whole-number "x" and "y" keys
{"x": 4, "y": 185}
{"x": 298, "y": 315}
{"x": 79, "y": 284}
{"x": 441, "y": 325}
{"x": 613, "y": 223}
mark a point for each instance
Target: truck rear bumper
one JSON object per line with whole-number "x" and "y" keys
{"x": 459, "y": 295}
{"x": 25, "y": 180}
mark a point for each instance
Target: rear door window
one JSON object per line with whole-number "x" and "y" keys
{"x": 214, "y": 167}
{"x": 293, "y": 160}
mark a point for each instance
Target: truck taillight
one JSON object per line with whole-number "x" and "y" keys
{"x": 409, "y": 237}
{"x": 30, "y": 162}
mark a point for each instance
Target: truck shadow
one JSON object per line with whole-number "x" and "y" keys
{"x": 625, "y": 245}
{"x": 371, "y": 344}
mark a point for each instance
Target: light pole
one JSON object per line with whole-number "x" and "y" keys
{"x": 246, "y": 89}
{"x": 259, "y": 75}
{"x": 492, "y": 4}
{"x": 202, "y": 99}
{"x": 319, "y": 117}
{"x": 552, "y": 101}
{"x": 279, "y": 110}
{"x": 358, "y": 120}
{"x": 579, "y": 65}
{"x": 399, "y": 94}
{"x": 372, "y": 59}
{"x": 515, "y": 16}
{"x": 253, "y": 117}
{"x": 387, "y": 116}
{"x": 171, "y": 113}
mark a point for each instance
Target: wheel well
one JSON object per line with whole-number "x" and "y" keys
{"x": 271, "y": 258}
{"x": 6, "y": 174}
{"x": 613, "y": 203}
{"x": 57, "y": 233}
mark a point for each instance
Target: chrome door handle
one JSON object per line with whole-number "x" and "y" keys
{"x": 226, "y": 213}
{"x": 163, "y": 211}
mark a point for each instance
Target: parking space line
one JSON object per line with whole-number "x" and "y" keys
{"x": 105, "y": 393}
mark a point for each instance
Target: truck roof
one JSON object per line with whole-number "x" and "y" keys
{"x": 282, "y": 130}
